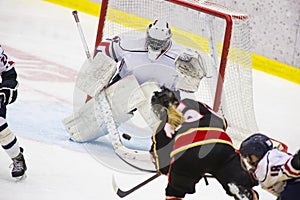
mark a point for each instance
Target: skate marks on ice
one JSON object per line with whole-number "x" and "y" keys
{"x": 43, "y": 78}
{"x": 45, "y": 97}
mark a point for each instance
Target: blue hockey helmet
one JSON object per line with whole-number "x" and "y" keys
{"x": 256, "y": 145}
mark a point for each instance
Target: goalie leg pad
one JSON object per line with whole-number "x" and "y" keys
{"x": 145, "y": 108}
{"x": 124, "y": 96}
{"x": 83, "y": 125}
{"x": 87, "y": 123}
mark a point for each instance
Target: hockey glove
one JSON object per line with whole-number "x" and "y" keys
{"x": 95, "y": 74}
{"x": 192, "y": 68}
{"x": 7, "y": 95}
{"x": 296, "y": 161}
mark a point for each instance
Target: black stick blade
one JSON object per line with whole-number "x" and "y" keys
{"x": 122, "y": 193}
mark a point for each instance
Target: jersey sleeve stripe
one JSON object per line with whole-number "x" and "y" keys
{"x": 288, "y": 168}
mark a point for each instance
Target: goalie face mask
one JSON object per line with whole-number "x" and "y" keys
{"x": 158, "y": 39}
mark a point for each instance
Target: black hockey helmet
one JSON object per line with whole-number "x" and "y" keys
{"x": 257, "y": 144}
{"x": 163, "y": 99}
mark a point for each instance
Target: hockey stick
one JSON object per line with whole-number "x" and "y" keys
{"x": 127, "y": 155}
{"x": 124, "y": 193}
{"x": 85, "y": 46}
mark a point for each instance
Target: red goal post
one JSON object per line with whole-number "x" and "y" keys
{"x": 219, "y": 33}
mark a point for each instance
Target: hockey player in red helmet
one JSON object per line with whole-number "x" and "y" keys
{"x": 276, "y": 171}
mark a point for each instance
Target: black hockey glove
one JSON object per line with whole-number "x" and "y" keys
{"x": 296, "y": 161}
{"x": 7, "y": 96}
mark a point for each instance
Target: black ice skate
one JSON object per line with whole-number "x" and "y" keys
{"x": 19, "y": 166}
{"x": 239, "y": 192}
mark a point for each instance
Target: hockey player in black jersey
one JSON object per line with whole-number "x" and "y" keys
{"x": 8, "y": 94}
{"x": 190, "y": 142}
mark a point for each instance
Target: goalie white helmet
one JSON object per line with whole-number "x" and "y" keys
{"x": 158, "y": 39}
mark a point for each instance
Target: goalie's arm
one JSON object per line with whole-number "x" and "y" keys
{"x": 110, "y": 48}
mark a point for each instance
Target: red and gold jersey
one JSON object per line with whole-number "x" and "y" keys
{"x": 202, "y": 126}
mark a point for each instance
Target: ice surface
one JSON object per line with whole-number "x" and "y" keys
{"x": 43, "y": 40}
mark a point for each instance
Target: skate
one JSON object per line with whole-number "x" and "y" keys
{"x": 239, "y": 192}
{"x": 19, "y": 166}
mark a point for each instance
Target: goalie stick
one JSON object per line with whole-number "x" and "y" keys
{"x": 127, "y": 155}
{"x": 85, "y": 46}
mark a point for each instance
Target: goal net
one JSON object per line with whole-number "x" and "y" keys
{"x": 220, "y": 34}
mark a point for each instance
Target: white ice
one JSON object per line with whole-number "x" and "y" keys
{"x": 43, "y": 40}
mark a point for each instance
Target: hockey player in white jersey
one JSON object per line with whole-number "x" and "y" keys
{"x": 277, "y": 171}
{"x": 8, "y": 94}
{"x": 154, "y": 57}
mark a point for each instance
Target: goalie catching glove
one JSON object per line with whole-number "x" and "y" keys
{"x": 191, "y": 68}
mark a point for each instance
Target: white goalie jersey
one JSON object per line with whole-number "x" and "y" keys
{"x": 274, "y": 170}
{"x": 130, "y": 52}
